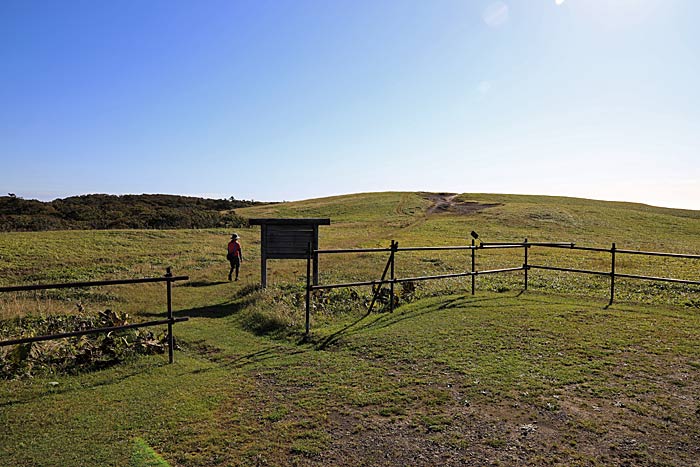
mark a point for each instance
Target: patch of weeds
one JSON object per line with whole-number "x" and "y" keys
{"x": 83, "y": 295}
{"x": 392, "y": 411}
{"x": 435, "y": 423}
{"x": 261, "y": 323}
{"x": 307, "y": 447}
{"x": 384, "y": 299}
{"x": 498, "y": 284}
{"x": 552, "y": 406}
{"x": 277, "y": 414}
{"x": 247, "y": 290}
{"x": 336, "y": 301}
{"x": 364, "y": 398}
{"x": 87, "y": 352}
{"x": 436, "y": 397}
{"x": 496, "y": 443}
{"x": 359, "y": 428}
{"x": 408, "y": 291}
{"x": 638, "y": 409}
{"x": 310, "y": 443}
{"x": 591, "y": 426}
{"x": 669, "y": 418}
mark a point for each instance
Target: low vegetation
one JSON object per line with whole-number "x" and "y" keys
{"x": 119, "y": 212}
{"x": 70, "y": 355}
{"x": 551, "y": 376}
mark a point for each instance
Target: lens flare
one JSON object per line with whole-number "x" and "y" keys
{"x": 496, "y": 14}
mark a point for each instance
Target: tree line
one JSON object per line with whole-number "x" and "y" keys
{"x": 99, "y": 211}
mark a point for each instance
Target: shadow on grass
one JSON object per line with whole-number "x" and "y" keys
{"x": 386, "y": 320}
{"x": 242, "y": 299}
{"x": 111, "y": 379}
{"x": 464, "y": 301}
{"x": 336, "y": 336}
{"x": 200, "y": 283}
{"x": 240, "y": 361}
{"x": 210, "y": 311}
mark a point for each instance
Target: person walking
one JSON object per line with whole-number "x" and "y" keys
{"x": 235, "y": 255}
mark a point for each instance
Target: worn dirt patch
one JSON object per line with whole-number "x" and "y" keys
{"x": 445, "y": 203}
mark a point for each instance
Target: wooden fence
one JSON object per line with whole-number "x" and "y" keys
{"x": 168, "y": 278}
{"x": 473, "y": 272}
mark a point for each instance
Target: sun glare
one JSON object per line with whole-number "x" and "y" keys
{"x": 619, "y": 13}
{"x": 559, "y": 2}
{"x": 496, "y": 14}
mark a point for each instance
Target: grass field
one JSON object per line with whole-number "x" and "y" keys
{"x": 546, "y": 377}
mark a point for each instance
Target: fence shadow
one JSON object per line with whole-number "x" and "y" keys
{"x": 242, "y": 299}
{"x": 386, "y": 320}
{"x": 241, "y": 361}
{"x": 220, "y": 310}
{"x": 110, "y": 380}
{"x": 201, "y": 283}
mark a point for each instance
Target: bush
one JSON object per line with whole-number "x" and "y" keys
{"x": 120, "y": 212}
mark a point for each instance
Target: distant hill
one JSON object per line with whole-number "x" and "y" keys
{"x": 100, "y": 211}
{"x": 417, "y": 219}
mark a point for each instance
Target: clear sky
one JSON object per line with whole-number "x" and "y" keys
{"x": 287, "y": 100}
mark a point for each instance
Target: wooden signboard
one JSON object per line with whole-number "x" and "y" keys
{"x": 288, "y": 239}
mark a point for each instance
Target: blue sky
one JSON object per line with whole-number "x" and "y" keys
{"x": 287, "y": 100}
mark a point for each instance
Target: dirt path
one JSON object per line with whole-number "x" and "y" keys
{"x": 445, "y": 202}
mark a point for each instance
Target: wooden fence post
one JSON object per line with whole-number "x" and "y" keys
{"x": 315, "y": 255}
{"x": 394, "y": 246}
{"x": 473, "y": 266}
{"x": 171, "y": 339}
{"x": 308, "y": 291}
{"x": 612, "y": 275}
{"x": 525, "y": 265}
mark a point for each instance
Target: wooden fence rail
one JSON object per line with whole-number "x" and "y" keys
{"x": 168, "y": 278}
{"x": 473, "y": 272}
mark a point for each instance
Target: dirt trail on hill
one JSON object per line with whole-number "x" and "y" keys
{"x": 445, "y": 202}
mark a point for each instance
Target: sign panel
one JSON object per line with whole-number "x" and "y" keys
{"x": 288, "y": 239}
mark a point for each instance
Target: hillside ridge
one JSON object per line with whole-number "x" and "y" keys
{"x": 464, "y": 203}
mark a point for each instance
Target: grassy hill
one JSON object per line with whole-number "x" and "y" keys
{"x": 509, "y": 218}
{"x": 373, "y": 219}
{"x": 548, "y": 377}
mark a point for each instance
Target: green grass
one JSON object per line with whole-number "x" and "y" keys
{"x": 144, "y": 456}
{"x": 547, "y": 377}
{"x": 362, "y": 221}
{"x": 461, "y": 372}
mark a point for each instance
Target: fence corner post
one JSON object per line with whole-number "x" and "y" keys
{"x": 171, "y": 339}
